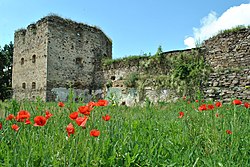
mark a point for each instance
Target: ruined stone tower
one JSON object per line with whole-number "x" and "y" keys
{"x": 54, "y": 54}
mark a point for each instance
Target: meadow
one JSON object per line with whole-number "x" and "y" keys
{"x": 184, "y": 133}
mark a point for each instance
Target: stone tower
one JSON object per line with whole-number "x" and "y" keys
{"x": 54, "y": 54}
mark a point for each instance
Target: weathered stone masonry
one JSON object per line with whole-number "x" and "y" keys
{"x": 54, "y": 54}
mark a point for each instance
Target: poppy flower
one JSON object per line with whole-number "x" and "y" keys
{"x": 22, "y": 115}
{"x": 196, "y": 101}
{"x": 203, "y": 107}
{"x": 247, "y": 105}
{"x": 210, "y": 106}
{"x": 1, "y": 126}
{"x": 237, "y": 102}
{"x": 91, "y": 104}
{"x": 27, "y": 122}
{"x": 15, "y": 127}
{"x": 229, "y": 132}
{"x": 102, "y": 102}
{"x": 40, "y": 121}
{"x": 10, "y": 117}
{"x": 106, "y": 117}
{"x": 218, "y": 104}
{"x": 85, "y": 110}
{"x": 81, "y": 121}
{"x": 61, "y": 104}
{"x": 94, "y": 133}
{"x": 73, "y": 115}
{"x": 70, "y": 129}
{"x": 48, "y": 115}
{"x": 181, "y": 114}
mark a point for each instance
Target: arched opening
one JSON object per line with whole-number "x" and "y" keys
{"x": 33, "y": 58}
{"x": 33, "y": 85}
{"x": 24, "y": 85}
{"x": 22, "y": 61}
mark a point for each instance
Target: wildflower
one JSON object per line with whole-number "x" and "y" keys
{"x": 229, "y": 132}
{"x": 15, "y": 127}
{"x": 94, "y": 133}
{"x": 10, "y": 117}
{"x": 70, "y": 129}
{"x": 218, "y": 104}
{"x": 27, "y": 122}
{"x": 22, "y": 115}
{"x": 184, "y": 97}
{"x": 40, "y": 121}
{"x": 203, "y": 107}
{"x": 210, "y": 106}
{"x": 181, "y": 114}
{"x": 91, "y": 104}
{"x": 61, "y": 104}
{"x": 102, "y": 102}
{"x": 247, "y": 105}
{"x": 85, "y": 110}
{"x": 196, "y": 101}
{"x": 237, "y": 102}
{"x": 81, "y": 121}
{"x": 73, "y": 115}
{"x": 106, "y": 117}
{"x": 1, "y": 126}
{"x": 48, "y": 115}
{"x": 217, "y": 115}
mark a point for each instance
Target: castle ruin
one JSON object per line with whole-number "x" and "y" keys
{"x": 54, "y": 54}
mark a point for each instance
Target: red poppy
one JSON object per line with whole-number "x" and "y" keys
{"x": 1, "y": 126}
{"x": 60, "y": 104}
{"x": 70, "y": 129}
{"x": 102, "y": 102}
{"x": 218, "y": 104}
{"x": 203, "y": 107}
{"x": 91, "y": 104}
{"x": 10, "y": 117}
{"x": 27, "y": 122}
{"x": 237, "y": 102}
{"x": 196, "y": 101}
{"x": 40, "y": 121}
{"x": 15, "y": 127}
{"x": 94, "y": 133}
{"x": 81, "y": 121}
{"x": 181, "y": 114}
{"x": 73, "y": 115}
{"x": 106, "y": 117}
{"x": 210, "y": 106}
{"x": 247, "y": 105}
{"x": 85, "y": 110}
{"x": 22, "y": 115}
{"x": 229, "y": 132}
{"x": 48, "y": 115}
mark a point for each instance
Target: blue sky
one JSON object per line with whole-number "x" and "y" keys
{"x": 135, "y": 26}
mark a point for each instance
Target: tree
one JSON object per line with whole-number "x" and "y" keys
{"x": 6, "y": 59}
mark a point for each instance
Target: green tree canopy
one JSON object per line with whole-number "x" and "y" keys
{"x": 6, "y": 59}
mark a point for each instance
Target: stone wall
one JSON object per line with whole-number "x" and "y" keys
{"x": 29, "y": 78}
{"x": 229, "y": 56}
{"x": 75, "y": 52}
{"x": 149, "y": 69}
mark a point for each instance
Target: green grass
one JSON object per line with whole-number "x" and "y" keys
{"x": 135, "y": 136}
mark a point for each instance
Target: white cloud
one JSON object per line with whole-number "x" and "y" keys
{"x": 211, "y": 24}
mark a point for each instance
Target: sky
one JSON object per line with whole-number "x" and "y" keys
{"x": 135, "y": 26}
